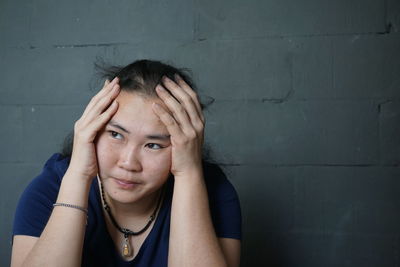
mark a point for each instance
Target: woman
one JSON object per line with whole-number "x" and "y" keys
{"x": 135, "y": 190}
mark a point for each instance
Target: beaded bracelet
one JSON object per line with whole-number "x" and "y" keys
{"x": 71, "y": 206}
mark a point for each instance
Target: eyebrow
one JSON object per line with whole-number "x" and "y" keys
{"x": 149, "y": 136}
{"x": 158, "y": 136}
{"x": 116, "y": 125}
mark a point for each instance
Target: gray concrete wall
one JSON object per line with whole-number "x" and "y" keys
{"x": 306, "y": 118}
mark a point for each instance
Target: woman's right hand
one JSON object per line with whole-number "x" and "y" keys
{"x": 97, "y": 113}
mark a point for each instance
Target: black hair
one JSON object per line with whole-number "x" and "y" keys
{"x": 141, "y": 76}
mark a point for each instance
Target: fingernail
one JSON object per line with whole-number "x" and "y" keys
{"x": 156, "y": 106}
{"x": 160, "y": 88}
{"x": 177, "y": 77}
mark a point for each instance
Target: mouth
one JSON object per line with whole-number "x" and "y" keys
{"x": 125, "y": 183}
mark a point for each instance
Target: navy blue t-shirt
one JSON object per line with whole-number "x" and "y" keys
{"x": 36, "y": 204}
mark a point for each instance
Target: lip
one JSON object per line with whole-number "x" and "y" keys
{"x": 125, "y": 184}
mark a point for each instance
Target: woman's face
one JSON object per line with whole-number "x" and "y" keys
{"x": 133, "y": 150}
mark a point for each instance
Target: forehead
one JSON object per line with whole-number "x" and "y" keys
{"x": 135, "y": 112}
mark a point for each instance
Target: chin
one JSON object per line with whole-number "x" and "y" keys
{"x": 124, "y": 197}
{"x": 130, "y": 195}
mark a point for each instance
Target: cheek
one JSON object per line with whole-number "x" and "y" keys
{"x": 161, "y": 164}
{"x": 104, "y": 153}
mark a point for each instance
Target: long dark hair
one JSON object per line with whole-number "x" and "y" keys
{"x": 140, "y": 76}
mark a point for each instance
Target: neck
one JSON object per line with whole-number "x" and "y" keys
{"x": 142, "y": 207}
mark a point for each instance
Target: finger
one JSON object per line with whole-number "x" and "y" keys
{"x": 181, "y": 82}
{"x": 101, "y": 105}
{"x": 97, "y": 124}
{"x": 178, "y": 111}
{"x": 108, "y": 86}
{"x": 169, "y": 122}
{"x": 186, "y": 100}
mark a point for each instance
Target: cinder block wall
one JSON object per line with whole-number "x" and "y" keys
{"x": 305, "y": 119}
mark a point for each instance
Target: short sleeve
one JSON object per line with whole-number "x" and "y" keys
{"x": 224, "y": 203}
{"x": 36, "y": 202}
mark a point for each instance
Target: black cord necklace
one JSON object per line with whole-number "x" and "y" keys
{"x": 127, "y": 250}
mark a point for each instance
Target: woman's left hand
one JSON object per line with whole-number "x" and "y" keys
{"x": 185, "y": 123}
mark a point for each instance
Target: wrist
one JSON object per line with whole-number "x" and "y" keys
{"x": 76, "y": 182}
{"x": 193, "y": 174}
{"x": 74, "y": 191}
{"x": 84, "y": 178}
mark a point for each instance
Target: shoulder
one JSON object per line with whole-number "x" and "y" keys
{"x": 47, "y": 183}
{"x": 213, "y": 173}
{"x": 224, "y": 202}
{"x": 218, "y": 185}
{"x": 51, "y": 175}
{"x": 57, "y": 164}
{"x": 35, "y": 203}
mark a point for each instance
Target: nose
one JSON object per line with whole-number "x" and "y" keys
{"x": 130, "y": 160}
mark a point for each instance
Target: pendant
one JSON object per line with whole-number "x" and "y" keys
{"x": 126, "y": 249}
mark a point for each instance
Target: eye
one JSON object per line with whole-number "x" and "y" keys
{"x": 115, "y": 135}
{"x": 154, "y": 146}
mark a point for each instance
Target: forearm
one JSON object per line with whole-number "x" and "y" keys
{"x": 61, "y": 241}
{"x": 193, "y": 241}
